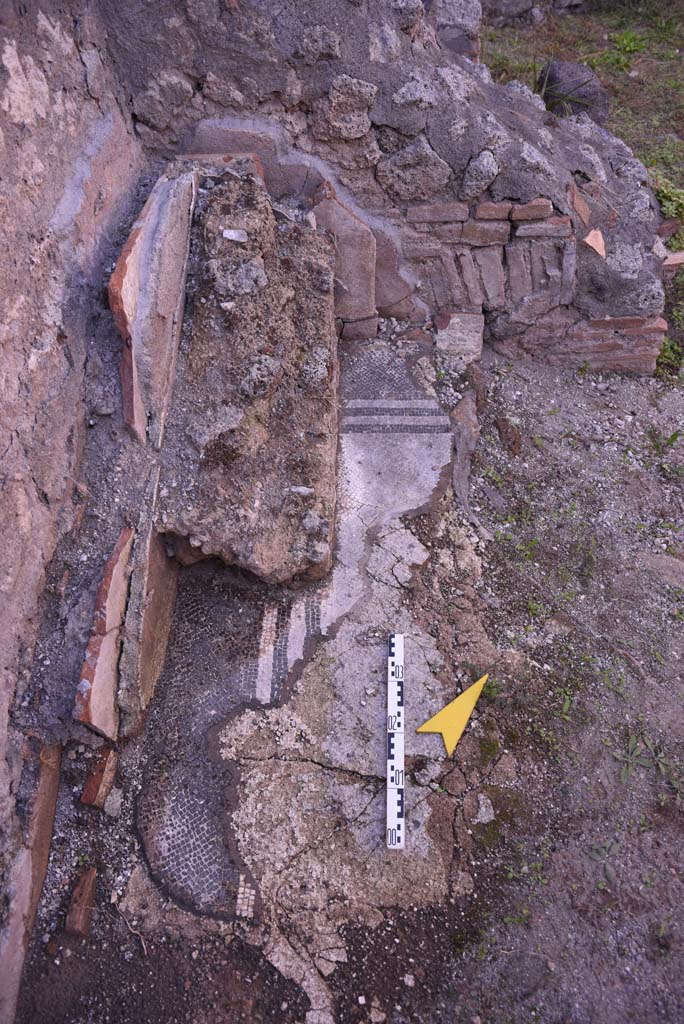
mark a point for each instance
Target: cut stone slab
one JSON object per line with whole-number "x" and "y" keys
{"x": 80, "y": 913}
{"x": 355, "y": 256}
{"x": 254, "y": 413}
{"x": 148, "y": 617}
{"x": 459, "y": 336}
{"x": 100, "y": 780}
{"x": 95, "y": 704}
{"x": 147, "y": 296}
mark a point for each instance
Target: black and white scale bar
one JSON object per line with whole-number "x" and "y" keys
{"x": 396, "y": 815}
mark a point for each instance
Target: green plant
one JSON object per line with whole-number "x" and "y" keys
{"x": 658, "y": 443}
{"x": 492, "y": 688}
{"x": 566, "y": 696}
{"x": 602, "y": 855}
{"x": 615, "y": 683}
{"x": 632, "y": 758}
{"x": 670, "y": 197}
{"x": 671, "y": 358}
{"x": 528, "y": 549}
{"x": 628, "y": 41}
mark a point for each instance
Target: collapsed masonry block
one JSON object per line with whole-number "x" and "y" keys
{"x": 355, "y": 257}
{"x": 147, "y": 297}
{"x": 80, "y": 913}
{"x": 100, "y": 780}
{"x": 249, "y": 458}
{"x": 96, "y": 693}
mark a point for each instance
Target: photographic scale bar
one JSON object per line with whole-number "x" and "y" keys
{"x": 396, "y": 823}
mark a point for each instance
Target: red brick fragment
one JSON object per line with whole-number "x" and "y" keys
{"x": 101, "y": 779}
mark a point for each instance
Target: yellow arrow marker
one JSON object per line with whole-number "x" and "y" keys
{"x": 452, "y": 720}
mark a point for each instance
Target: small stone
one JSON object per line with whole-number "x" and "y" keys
{"x": 479, "y": 174}
{"x": 409, "y": 980}
{"x": 235, "y": 234}
{"x": 112, "y": 805}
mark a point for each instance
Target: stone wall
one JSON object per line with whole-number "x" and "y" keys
{"x": 414, "y": 137}
{"x": 69, "y": 163}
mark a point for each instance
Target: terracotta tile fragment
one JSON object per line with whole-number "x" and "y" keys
{"x": 80, "y": 914}
{"x": 95, "y": 704}
{"x": 595, "y": 241}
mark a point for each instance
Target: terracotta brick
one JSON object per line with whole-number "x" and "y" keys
{"x": 95, "y": 704}
{"x": 625, "y": 323}
{"x": 433, "y": 213}
{"x": 486, "y": 232}
{"x": 101, "y": 779}
{"x": 493, "y": 211}
{"x": 80, "y": 913}
{"x": 554, "y": 227}
{"x": 538, "y": 209}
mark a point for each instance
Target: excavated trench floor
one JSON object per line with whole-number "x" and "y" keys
{"x": 237, "y": 643}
